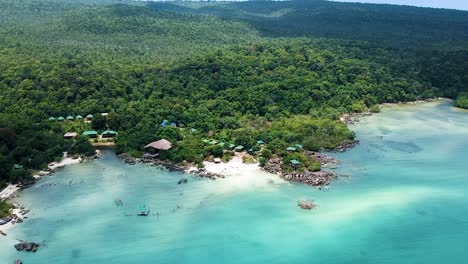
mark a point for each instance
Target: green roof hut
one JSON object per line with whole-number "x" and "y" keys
{"x": 60, "y": 118}
{"x": 89, "y": 117}
{"x": 239, "y": 148}
{"x": 295, "y": 163}
{"x": 109, "y": 134}
{"x": 52, "y": 118}
{"x": 70, "y": 118}
{"x": 90, "y": 134}
{"x": 292, "y": 149}
{"x": 79, "y": 117}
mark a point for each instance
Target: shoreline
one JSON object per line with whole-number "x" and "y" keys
{"x": 19, "y": 212}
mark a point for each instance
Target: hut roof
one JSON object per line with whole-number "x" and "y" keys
{"x": 291, "y": 149}
{"x": 90, "y": 133}
{"x": 109, "y": 132}
{"x": 79, "y": 117}
{"x": 70, "y": 117}
{"x": 260, "y": 142}
{"x": 70, "y": 134}
{"x": 52, "y": 118}
{"x": 240, "y": 147}
{"x": 161, "y": 144}
{"x": 60, "y": 118}
{"x": 298, "y": 146}
{"x": 295, "y": 162}
{"x": 18, "y": 166}
{"x": 89, "y": 116}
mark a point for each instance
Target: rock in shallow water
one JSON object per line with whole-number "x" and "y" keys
{"x": 27, "y": 246}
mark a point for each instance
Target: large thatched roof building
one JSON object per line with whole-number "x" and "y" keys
{"x": 161, "y": 144}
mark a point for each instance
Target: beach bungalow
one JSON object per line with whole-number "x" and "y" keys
{"x": 70, "y": 118}
{"x": 260, "y": 142}
{"x": 89, "y": 117}
{"x": 79, "y": 117}
{"x": 52, "y": 118}
{"x": 108, "y": 134}
{"x": 70, "y": 135}
{"x": 239, "y": 148}
{"x": 250, "y": 151}
{"x": 60, "y": 118}
{"x": 299, "y": 146}
{"x": 231, "y": 146}
{"x": 295, "y": 163}
{"x": 90, "y": 134}
{"x": 104, "y": 114}
{"x": 291, "y": 149}
{"x": 157, "y": 146}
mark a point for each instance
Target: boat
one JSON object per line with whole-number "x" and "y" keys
{"x": 143, "y": 211}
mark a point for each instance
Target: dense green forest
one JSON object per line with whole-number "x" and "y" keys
{"x": 231, "y": 72}
{"x": 398, "y": 26}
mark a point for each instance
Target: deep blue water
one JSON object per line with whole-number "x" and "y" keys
{"x": 405, "y": 202}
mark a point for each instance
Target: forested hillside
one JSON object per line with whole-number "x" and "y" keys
{"x": 235, "y": 82}
{"x": 397, "y": 26}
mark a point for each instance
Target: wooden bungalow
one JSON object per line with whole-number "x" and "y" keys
{"x": 52, "y": 118}
{"x": 79, "y": 117}
{"x": 70, "y": 118}
{"x": 70, "y": 135}
{"x": 89, "y": 117}
{"x": 60, "y": 118}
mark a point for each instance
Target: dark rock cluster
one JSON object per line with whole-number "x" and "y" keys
{"x": 27, "y": 246}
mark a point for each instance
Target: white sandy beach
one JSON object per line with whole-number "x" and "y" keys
{"x": 64, "y": 162}
{"x": 242, "y": 176}
{"x": 8, "y": 191}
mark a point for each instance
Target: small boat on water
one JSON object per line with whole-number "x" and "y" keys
{"x": 143, "y": 211}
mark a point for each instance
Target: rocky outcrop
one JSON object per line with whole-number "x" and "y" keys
{"x": 312, "y": 178}
{"x": 169, "y": 165}
{"x": 316, "y": 178}
{"x": 306, "y": 205}
{"x": 203, "y": 173}
{"x": 18, "y": 261}
{"x": 27, "y": 246}
{"x": 325, "y": 161}
{"x": 347, "y": 145}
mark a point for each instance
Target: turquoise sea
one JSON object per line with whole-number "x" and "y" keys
{"x": 404, "y": 202}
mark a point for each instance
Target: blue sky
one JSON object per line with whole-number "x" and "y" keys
{"x": 453, "y": 4}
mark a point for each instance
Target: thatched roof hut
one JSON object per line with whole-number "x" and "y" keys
{"x": 162, "y": 144}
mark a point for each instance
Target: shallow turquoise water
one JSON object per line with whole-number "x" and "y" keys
{"x": 404, "y": 203}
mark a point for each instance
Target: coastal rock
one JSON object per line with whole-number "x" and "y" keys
{"x": 306, "y": 205}
{"x": 347, "y": 145}
{"x": 18, "y": 261}
{"x": 27, "y": 246}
